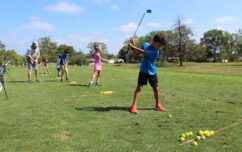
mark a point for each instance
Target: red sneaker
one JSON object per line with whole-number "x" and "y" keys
{"x": 160, "y": 108}
{"x": 133, "y": 109}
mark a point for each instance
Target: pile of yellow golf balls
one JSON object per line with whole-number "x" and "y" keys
{"x": 106, "y": 92}
{"x": 201, "y": 135}
{"x": 186, "y": 134}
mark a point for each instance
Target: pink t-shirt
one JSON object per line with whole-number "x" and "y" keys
{"x": 97, "y": 62}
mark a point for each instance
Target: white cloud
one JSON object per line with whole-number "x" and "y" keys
{"x": 220, "y": 28}
{"x": 114, "y": 7}
{"x": 187, "y": 21}
{"x": 128, "y": 27}
{"x": 37, "y": 25}
{"x": 226, "y": 19}
{"x": 65, "y": 8}
{"x": 153, "y": 24}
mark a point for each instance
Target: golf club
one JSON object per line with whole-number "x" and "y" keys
{"x": 146, "y": 12}
{"x": 5, "y": 91}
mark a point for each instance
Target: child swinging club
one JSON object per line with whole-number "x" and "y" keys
{"x": 148, "y": 70}
{"x": 97, "y": 65}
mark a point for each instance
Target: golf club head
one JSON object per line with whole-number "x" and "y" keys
{"x": 148, "y": 11}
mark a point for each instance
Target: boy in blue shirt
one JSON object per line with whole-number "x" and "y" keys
{"x": 148, "y": 70}
{"x": 64, "y": 62}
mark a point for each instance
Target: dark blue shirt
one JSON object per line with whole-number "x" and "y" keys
{"x": 64, "y": 58}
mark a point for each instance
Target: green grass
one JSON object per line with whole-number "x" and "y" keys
{"x": 52, "y": 116}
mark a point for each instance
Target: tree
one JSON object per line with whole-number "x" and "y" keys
{"x": 214, "y": 41}
{"x": 122, "y": 54}
{"x": 183, "y": 34}
{"x": 2, "y": 46}
{"x": 48, "y": 48}
{"x": 101, "y": 44}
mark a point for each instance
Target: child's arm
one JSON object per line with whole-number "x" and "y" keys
{"x": 138, "y": 50}
{"x": 104, "y": 60}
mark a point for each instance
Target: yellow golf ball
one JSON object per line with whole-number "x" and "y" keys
{"x": 203, "y": 137}
{"x": 190, "y": 133}
{"x": 182, "y": 139}
{"x": 194, "y": 143}
{"x": 207, "y": 134}
{"x": 187, "y": 134}
{"x": 169, "y": 116}
{"x": 201, "y": 133}
{"x": 212, "y": 133}
{"x": 183, "y": 135}
{"x": 198, "y": 138}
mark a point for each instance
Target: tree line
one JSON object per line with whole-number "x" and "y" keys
{"x": 51, "y": 50}
{"x": 215, "y": 46}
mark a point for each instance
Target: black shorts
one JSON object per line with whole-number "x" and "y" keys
{"x": 144, "y": 77}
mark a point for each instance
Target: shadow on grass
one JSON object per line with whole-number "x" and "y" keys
{"x": 78, "y": 85}
{"x": 106, "y": 109}
{"x": 51, "y": 80}
{"x": 17, "y": 81}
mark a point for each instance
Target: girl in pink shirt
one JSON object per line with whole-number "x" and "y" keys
{"x": 97, "y": 65}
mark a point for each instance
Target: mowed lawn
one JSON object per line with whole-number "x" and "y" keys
{"x": 52, "y": 116}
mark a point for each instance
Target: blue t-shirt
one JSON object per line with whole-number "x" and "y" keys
{"x": 148, "y": 64}
{"x": 64, "y": 58}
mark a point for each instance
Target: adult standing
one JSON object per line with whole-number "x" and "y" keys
{"x": 33, "y": 54}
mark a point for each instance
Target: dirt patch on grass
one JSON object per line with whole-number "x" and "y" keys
{"x": 65, "y": 135}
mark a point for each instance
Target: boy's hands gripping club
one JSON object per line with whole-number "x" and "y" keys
{"x": 137, "y": 50}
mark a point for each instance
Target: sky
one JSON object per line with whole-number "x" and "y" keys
{"x": 79, "y": 22}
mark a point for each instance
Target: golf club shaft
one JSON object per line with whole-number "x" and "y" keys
{"x": 139, "y": 25}
{"x": 5, "y": 91}
{"x": 137, "y": 28}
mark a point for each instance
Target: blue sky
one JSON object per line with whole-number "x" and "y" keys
{"x": 78, "y": 22}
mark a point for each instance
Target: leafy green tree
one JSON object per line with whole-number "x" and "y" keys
{"x": 214, "y": 41}
{"x": 2, "y": 46}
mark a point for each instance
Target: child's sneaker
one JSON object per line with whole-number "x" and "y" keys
{"x": 90, "y": 84}
{"x": 98, "y": 84}
{"x": 160, "y": 108}
{"x": 133, "y": 109}
{"x": 30, "y": 81}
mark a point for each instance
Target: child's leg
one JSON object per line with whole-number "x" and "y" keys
{"x": 156, "y": 95}
{"x": 137, "y": 93}
{"x": 47, "y": 68}
{"x": 66, "y": 71}
{"x": 98, "y": 76}
{"x": 58, "y": 72}
{"x": 62, "y": 72}
{"x": 93, "y": 76}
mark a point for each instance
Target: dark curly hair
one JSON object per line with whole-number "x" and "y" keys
{"x": 159, "y": 38}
